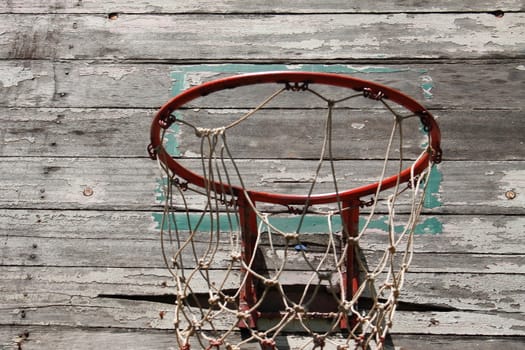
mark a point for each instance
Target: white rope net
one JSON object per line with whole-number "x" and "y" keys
{"x": 301, "y": 282}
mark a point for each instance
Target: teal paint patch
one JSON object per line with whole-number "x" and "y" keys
{"x": 171, "y": 145}
{"x": 432, "y": 197}
{"x": 196, "y": 222}
{"x": 381, "y": 223}
{"x": 429, "y": 226}
{"x": 180, "y": 83}
{"x": 160, "y": 195}
{"x": 311, "y": 223}
{"x": 427, "y": 86}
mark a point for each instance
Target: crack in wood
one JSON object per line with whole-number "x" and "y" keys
{"x": 202, "y": 298}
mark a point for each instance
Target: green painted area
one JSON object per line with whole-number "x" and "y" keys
{"x": 195, "y": 222}
{"x": 432, "y": 198}
{"x": 160, "y": 197}
{"x": 430, "y": 225}
{"x": 381, "y": 223}
{"x": 179, "y": 74}
{"x": 427, "y": 85}
{"x": 171, "y": 144}
{"x": 311, "y": 224}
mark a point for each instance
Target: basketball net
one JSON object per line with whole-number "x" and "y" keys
{"x": 230, "y": 276}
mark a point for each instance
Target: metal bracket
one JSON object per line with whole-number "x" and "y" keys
{"x": 368, "y": 92}
{"x": 152, "y": 151}
{"x": 180, "y": 184}
{"x": 297, "y": 86}
{"x": 166, "y": 120}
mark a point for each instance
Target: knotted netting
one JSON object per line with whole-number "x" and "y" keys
{"x": 249, "y": 269}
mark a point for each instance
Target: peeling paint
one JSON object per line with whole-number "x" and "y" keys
{"x": 113, "y": 72}
{"x": 11, "y": 76}
{"x": 181, "y": 80}
{"x": 427, "y": 85}
{"x": 432, "y": 196}
{"x": 311, "y": 224}
{"x": 29, "y": 139}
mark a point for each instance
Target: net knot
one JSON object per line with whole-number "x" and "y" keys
{"x": 243, "y": 315}
{"x": 291, "y": 236}
{"x": 396, "y": 293}
{"x": 319, "y": 341}
{"x": 267, "y": 343}
{"x": 298, "y": 309}
{"x": 204, "y": 132}
{"x": 232, "y": 347}
{"x": 270, "y": 282}
{"x": 236, "y": 256}
{"x": 214, "y": 300}
{"x": 215, "y": 343}
{"x": 324, "y": 275}
{"x": 203, "y": 264}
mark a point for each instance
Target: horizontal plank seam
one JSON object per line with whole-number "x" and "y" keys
{"x": 492, "y": 11}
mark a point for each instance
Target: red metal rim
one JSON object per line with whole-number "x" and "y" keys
{"x": 161, "y": 121}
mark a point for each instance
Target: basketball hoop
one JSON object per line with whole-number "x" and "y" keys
{"x": 222, "y": 274}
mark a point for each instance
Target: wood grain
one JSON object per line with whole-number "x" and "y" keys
{"x": 106, "y": 132}
{"x": 82, "y": 338}
{"x": 461, "y": 234}
{"x": 239, "y": 6}
{"x": 80, "y": 200}
{"x": 124, "y": 183}
{"x": 325, "y": 37}
{"x": 462, "y": 86}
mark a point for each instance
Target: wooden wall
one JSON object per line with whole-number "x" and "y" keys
{"x": 80, "y": 81}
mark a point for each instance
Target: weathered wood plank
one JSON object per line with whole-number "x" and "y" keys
{"x": 66, "y": 338}
{"x": 74, "y": 132}
{"x": 124, "y": 183}
{"x": 239, "y": 6}
{"x": 481, "y": 236}
{"x": 80, "y": 132}
{"x": 327, "y": 36}
{"x": 140, "y": 252}
{"x": 30, "y": 286}
{"x": 131, "y": 85}
{"x": 119, "y": 313}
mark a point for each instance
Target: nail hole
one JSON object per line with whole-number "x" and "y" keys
{"x": 510, "y": 194}
{"x": 88, "y": 192}
{"x": 113, "y": 16}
